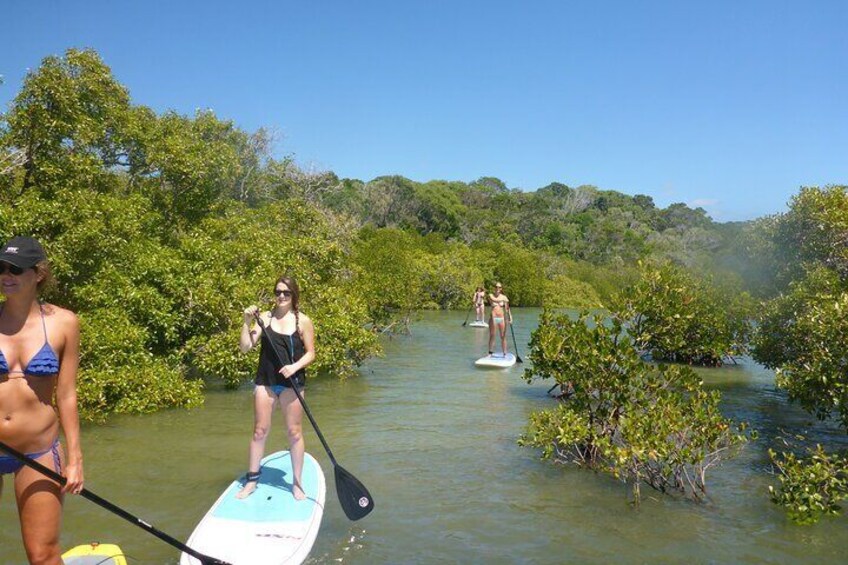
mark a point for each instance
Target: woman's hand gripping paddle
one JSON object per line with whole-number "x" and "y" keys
{"x": 204, "y": 559}
{"x": 354, "y": 498}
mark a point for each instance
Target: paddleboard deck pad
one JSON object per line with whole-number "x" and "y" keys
{"x": 477, "y": 324}
{"x": 95, "y": 554}
{"x": 496, "y": 360}
{"x": 269, "y": 527}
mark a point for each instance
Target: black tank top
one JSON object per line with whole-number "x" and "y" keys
{"x": 291, "y": 349}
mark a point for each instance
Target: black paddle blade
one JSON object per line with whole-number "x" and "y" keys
{"x": 355, "y": 499}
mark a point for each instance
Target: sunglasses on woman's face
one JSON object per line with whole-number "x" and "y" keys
{"x": 286, "y": 293}
{"x": 13, "y": 269}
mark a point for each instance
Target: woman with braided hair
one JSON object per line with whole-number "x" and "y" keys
{"x": 292, "y": 334}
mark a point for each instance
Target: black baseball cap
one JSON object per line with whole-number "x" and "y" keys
{"x": 23, "y": 252}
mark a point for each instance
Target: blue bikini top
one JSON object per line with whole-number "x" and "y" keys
{"x": 43, "y": 364}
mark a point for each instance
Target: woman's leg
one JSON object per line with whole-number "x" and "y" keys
{"x": 40, "y": 511}
{"x": 502, "y": 329}
{"x": 491, "y": 336}
{"x": 293, "y": 410}
{"x": 479, "y": 312}
{"x": 263, "y": 405}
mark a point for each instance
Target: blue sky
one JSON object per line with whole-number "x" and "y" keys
{"x": 730, "y": 105}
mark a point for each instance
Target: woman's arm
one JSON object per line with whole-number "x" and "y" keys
{"x": 66, "y": 401}
{"x": 250, "y": 331}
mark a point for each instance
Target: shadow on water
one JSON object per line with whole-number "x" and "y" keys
{"x": 434, "y": 440}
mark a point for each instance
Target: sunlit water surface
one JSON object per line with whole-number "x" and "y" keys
{"x": 434, "y": 439}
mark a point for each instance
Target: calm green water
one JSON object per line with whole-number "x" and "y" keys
{"x": 433, "y": 438}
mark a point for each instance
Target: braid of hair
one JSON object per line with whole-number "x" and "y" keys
{"x": 297, "y": 320}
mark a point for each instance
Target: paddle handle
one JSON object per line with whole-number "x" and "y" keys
{"x": 468, "y": 314}
{"x": 85, "y": 493}
{"x": 515, "y": 343}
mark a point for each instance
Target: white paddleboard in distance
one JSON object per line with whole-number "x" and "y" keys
{"x": 496, "y": 360}
{"x": 476, "y": 324}
{"x": 269, "y": 527}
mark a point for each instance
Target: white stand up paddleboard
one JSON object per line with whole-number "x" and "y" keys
{"x": 269, "y": 527}
{"x": 476, "y": 324}
{"x": 496, "y": 360}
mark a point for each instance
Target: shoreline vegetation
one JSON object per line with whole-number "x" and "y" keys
{"x": 160, "y": 224}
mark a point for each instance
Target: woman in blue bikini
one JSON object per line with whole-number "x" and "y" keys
{"x": 39, "y": 356}
{"x": 498, "y": 318}
{"x": 293, "y": 334}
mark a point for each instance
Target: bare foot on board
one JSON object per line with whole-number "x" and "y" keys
{"x": 247, "y": 489}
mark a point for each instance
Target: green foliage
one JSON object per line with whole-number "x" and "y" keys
{"x": 120, "y": 375}
{"x": 145, "y": 387}
{"x": 814, "y": 230}
{"x": 522, "y": 273}
{"x": 636, "y": 422}
{"x": 448, "y": 276}
{"x": 118, "y": 194}
{"x": 564, "y": 292}
{"x": 803, "y": 335}
{"x": 389, "y": 275}
{"x": 69, "y": 122}
{"x": 189, "y": 164}
{"x": 677, "y": 317}
{"x": 810, "y": 486}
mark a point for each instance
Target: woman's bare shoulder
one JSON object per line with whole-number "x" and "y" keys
{"x": 304, "y": 319}
{"x": 59, "y": 315}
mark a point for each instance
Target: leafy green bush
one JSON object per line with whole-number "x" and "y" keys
{"x": 814, "y": 230}
{"x": 803, "y": 335}
{"x": 810, "y": 486}
{"x": 677, "y": 317}
{"x": 390, "y": 276}
{"x": 565, "y": 292}
{"x": 636, "y": 422}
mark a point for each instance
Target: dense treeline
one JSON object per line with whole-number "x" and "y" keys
{"x": 162, "y": 227}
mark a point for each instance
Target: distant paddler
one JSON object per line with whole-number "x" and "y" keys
{"x": 498, "y": 318}
{"x": 480, "y": 304}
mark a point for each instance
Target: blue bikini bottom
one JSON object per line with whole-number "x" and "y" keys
{"x": 9, "y": 464}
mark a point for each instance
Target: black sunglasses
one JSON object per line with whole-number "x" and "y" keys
{"x": 286, "y": 293}
{"x": 14, "y": 269}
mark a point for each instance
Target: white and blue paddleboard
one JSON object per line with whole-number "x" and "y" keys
{"x": 476, "y": 324}
{"x": 496, "y": 361}
{"x": 269, "y": 527}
